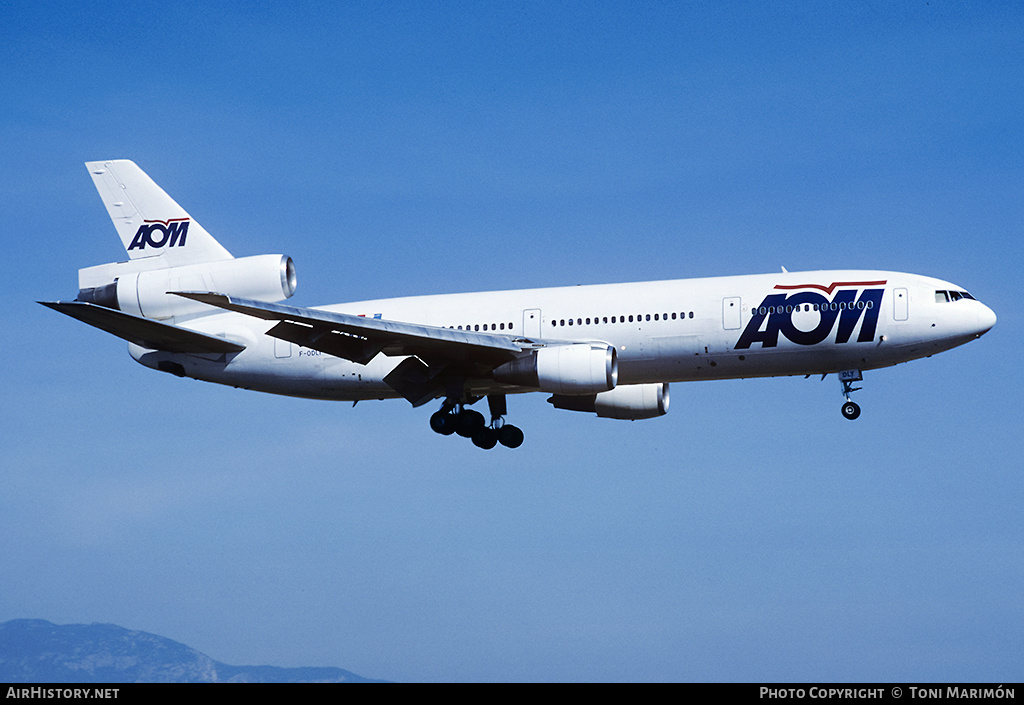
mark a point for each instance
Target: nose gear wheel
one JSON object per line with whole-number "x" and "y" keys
{"x": 850, "y": 408}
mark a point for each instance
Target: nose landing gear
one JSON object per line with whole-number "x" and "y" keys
{"x": 453, "y": 417}
{"x": 850, "y": 409}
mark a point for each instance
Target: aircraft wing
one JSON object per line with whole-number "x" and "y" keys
{"x": 436, "y": 357}
{"x": 360, "y": 339}
{"x": 143, "y": 331}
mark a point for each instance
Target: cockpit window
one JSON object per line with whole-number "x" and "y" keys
{"x": 942, "y": 297}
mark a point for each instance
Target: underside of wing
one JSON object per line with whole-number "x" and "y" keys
{"x": 143, "y": 331}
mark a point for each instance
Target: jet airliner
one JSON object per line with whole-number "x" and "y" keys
{"x": 188, "y": 307}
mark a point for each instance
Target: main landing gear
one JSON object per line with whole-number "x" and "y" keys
{"x": 453, "y": 417}
{"x": 850, "y": 408}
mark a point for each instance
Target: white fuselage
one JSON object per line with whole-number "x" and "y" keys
{"x": 796, "y": 323}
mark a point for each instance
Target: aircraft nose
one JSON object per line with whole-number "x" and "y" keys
{"x": 986, "y": 319}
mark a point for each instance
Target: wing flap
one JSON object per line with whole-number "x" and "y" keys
{"x": 325, "y": 340}
{"x": 143, "y": 331}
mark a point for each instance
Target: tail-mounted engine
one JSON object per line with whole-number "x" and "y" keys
{"x": 268, "y": 278}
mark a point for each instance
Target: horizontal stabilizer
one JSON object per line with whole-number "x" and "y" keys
{"x": 143, "y": 331}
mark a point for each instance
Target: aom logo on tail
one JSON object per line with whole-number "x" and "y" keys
{"x": 158, "y": 233}
{"x": 808, "y": 318}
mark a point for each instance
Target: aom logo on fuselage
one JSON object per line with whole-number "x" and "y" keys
{"x": 158, "y": 233}
{"x": 808, "y": 318}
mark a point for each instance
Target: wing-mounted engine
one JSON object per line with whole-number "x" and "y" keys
{"x": 632, "y": 402}
{"x": 135, "y": 288}
{"x": 580, "y": 368}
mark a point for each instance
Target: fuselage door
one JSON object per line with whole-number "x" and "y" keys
{"x": 731, "y": 316}
{"x": 901, "y": 304}
{"x": 531, "y": 323}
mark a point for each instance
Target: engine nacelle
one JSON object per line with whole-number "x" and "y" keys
{"x": 267, "y": 278}
{"x": 632, "y": 401}
{"x": 580, "y": 368}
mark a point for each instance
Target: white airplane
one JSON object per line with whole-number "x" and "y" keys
{"x": 187, "y": 307}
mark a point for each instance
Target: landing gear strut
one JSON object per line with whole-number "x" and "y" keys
{"x": 850, "y": 408}
{"x": 453, "y": 417}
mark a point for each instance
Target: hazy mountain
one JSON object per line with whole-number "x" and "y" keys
{"x": 37, "y": 651}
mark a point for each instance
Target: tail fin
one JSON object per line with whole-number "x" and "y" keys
{"x": 149, "y": 221}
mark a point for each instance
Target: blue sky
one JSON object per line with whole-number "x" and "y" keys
{"x": 403, "y": 149}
